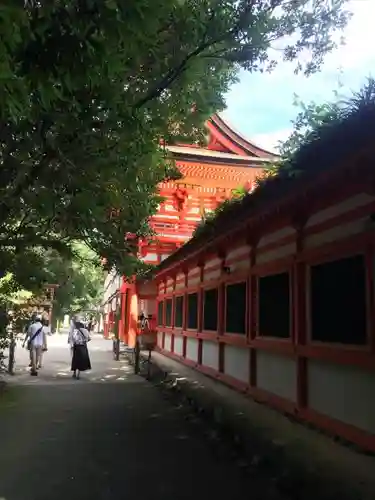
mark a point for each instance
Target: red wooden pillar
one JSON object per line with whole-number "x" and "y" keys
{"x": 121, "y": 326}
{"x": 370, "y": 270}
{"x": 185, "y": 312}
{"x": 173, "y": 298}
{"x": 221, "y": 311}
{"x": 200, "y": 297}
{"x": 199, "y": 325}
{"x": 253, "y": 314}
{"x": 200, "y": 310}
{"x": 370, "y": 273}
{"x": 299, "y": 329}
{"x": 133, "y": 316}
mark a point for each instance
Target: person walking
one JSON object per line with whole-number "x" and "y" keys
{"x": 28, "y": 324}
{"x": 46, "y": 331}
{"x": 78, "y": 339}
{"x": 35, "y": 342}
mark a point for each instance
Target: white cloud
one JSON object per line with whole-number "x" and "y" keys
{"x": 261, "y": 105}
{"x": 271, "y": 141}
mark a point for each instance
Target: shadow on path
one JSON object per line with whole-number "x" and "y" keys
{"x": 106, "y": 437}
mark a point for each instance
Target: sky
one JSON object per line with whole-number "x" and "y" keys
{"x": 261, "y": 107}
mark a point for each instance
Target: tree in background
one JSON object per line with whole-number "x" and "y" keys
{"x": 91, "y": 89}
{"x": 314, "y": 119}
{"x": 80, "y": 282}
{"x": 78, "y": 276}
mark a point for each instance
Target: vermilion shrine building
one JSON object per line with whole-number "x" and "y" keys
{"x": 210, "y": 174}
{"x": 277, "y": 298}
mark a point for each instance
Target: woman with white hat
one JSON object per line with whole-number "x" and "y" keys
{"x": 78, "y": 339}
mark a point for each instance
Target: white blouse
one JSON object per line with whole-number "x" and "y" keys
{"x": 78, "y": 336}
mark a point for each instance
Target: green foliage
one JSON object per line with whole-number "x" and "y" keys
{"x": 90, "y": 88}
{"x": 323, "y": 136}
{"x": 77, "y": 273}
{"x": 79, "y": 280}
{"x": 209, "y": 220}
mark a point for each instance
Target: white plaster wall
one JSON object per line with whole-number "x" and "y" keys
{"x": 170, "y": 208}
{"x": 194, "y": 277}
{"x": 336, "y": 233}
{"x": 160, "y": 339}
{"x": 163, "y": 217}
{"x": 170, "y": 285}
{"x": 193, "y": 218}
{"x": 210, "y": 354}
{"x": 150, "y": 306}
{"x": 209, "y": 274}
{"x": 237, "y": 362}
{"x": 212, "y": 263}
{"x": 168, "y": 342}
{"x": 346, "y": 393}
{"x": 277, "y": 374}
{"x": 181, "y": 284}
{"x": 111, "y": 284}
{"x": 277, "y": 253}
{"x": 347, "y": 205}
{"x": 239, "y": 252}
{"x": 276, "y": 235}
{"x": 192, "y": 349}
{"x": 240, "y": 264}
{"x": 194, "y": 210}
{"x": 178, "y": 345}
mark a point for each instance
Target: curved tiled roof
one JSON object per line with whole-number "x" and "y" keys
{"x": 224, "y": 130}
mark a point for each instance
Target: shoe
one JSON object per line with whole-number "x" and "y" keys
{"x": 34, "y": 374}
{"x": 74, "y": 375}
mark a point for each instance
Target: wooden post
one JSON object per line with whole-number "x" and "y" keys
{"x": 137, "y": 356}
{"x": 299, "y": 334}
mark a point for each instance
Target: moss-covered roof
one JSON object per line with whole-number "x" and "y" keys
{"x": 326, "y": 148}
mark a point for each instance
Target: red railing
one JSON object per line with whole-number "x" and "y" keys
{"x": 181, "y": 228}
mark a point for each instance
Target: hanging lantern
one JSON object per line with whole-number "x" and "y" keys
{"x": 180, "y": 197}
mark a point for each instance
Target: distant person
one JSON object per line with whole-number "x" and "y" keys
{"x": 46, "y": 332}
{"x": 78, "y": 338}
{"x": 28, "y": 324}
{"x": 35, "y": 343}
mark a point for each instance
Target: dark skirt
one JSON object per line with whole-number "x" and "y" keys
{"x": 81, "y": 358}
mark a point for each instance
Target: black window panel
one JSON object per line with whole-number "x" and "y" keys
{"x": 338, "y": 301}
{"x": 192, "y": 318}
{"x": 168, "y": 312}
{"x": 179, "y": 311}
{"x": 210, "y": 302}
{"x": 274, "y": 305}
{"x": 235, "y": 304}
{"x": 160, "y": 312}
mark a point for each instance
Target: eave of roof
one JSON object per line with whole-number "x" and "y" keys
{"x": 223, "y": 127}
{"x": 199, "y": 153}
{"x": 237, "y": 174}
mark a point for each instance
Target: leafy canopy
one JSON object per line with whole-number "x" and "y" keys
{"x": 79, "y": 277}
{"x": 90, "y": 88}
{"x": 323, "y": 135}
